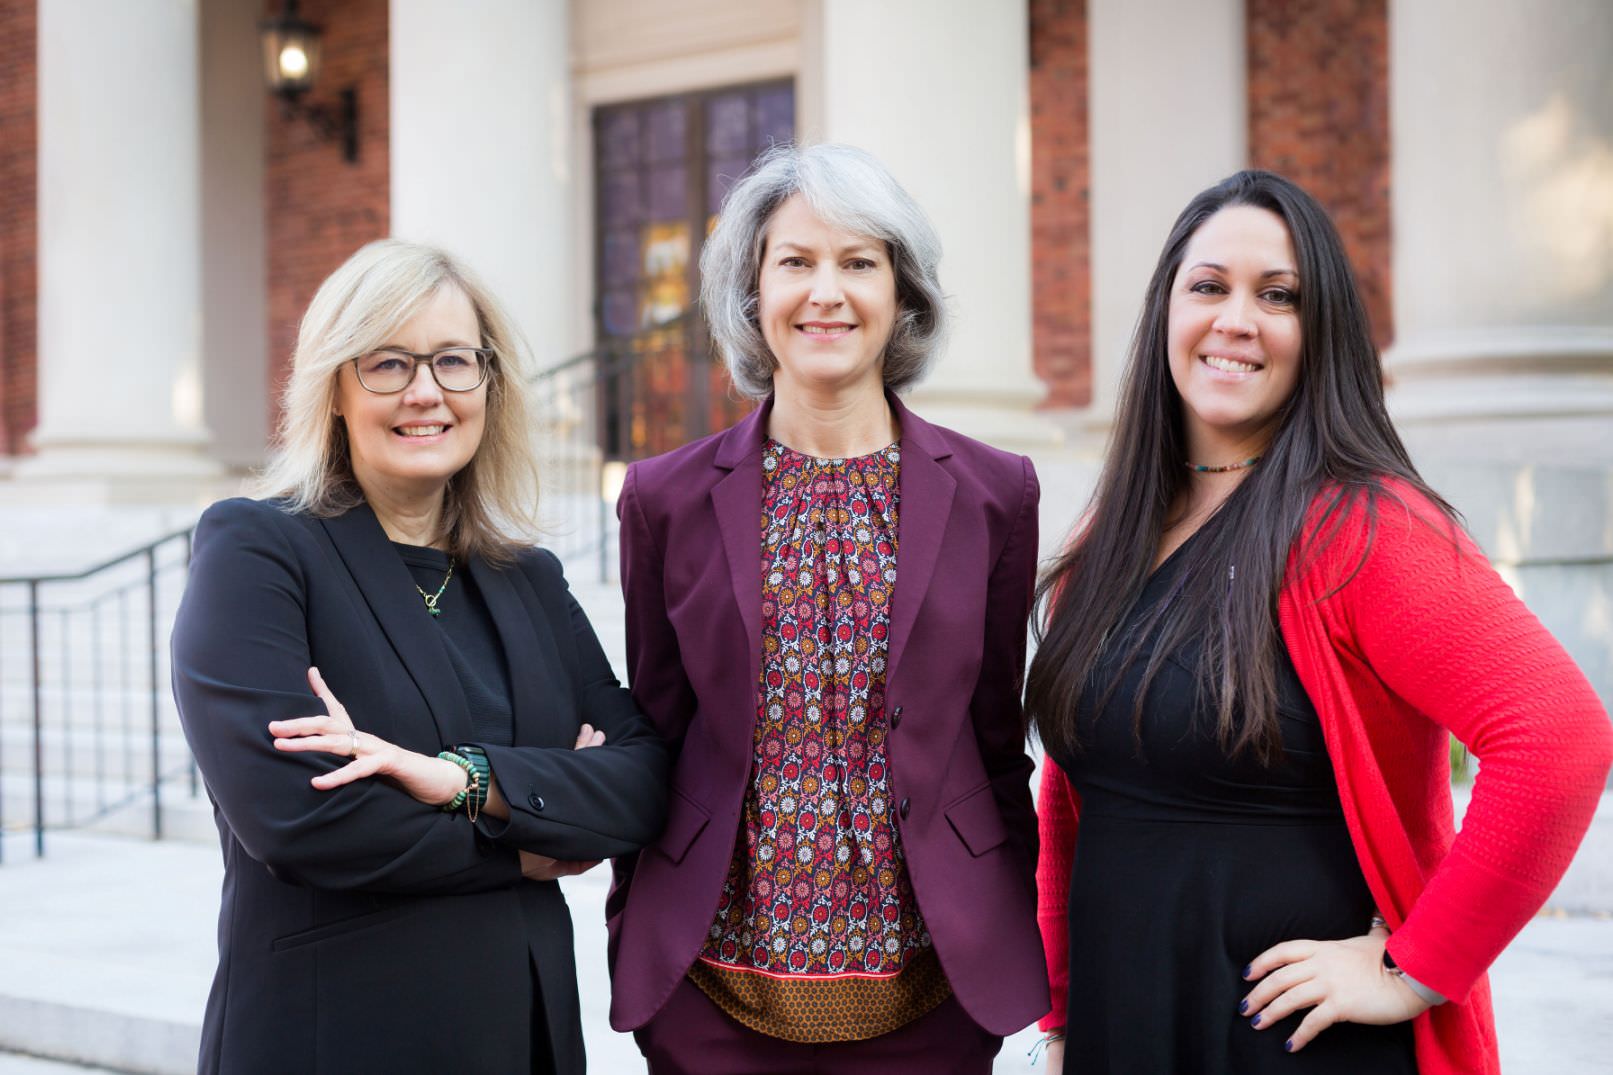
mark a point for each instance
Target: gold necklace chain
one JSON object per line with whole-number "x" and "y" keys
{"x": 431, "y": 598}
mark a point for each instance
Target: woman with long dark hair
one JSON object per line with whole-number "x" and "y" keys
{"x": 1255, "y": 649}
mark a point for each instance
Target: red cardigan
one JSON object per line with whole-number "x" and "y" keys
{"x": 1425, "y": 639}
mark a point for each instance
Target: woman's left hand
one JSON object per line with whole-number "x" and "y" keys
{"x": 429, "y": 780}
{"x": 1340, "y": 981}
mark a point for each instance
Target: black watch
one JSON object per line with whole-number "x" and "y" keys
{"x": 484, "y": 772}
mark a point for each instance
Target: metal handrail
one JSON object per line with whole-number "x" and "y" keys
{"x": 80, "y": 576}
{"x": 119, "y": 591}
{"x": 626, "y": 398}
{"x": 609, "y": 346}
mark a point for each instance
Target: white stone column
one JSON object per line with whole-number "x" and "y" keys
{"x": 120, "y": 391}
{"x": 481, "y": 157}
{"x": 937, "y": 90}
{"x": 1503, "y": 216}
{"x": 1502, "y": 365}
{"x": 1167, "y": 94}
{"x": 235, "y": 257}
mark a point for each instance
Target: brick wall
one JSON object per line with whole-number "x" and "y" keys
{"x": 19, "y": 220}
{"x": 321, "y": 208}
{"x": 1061, "y": 269}
{"x": 1319, "y": 114}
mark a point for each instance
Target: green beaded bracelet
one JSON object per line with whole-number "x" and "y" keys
{"x": 470, "y": 780}
{"x": 482, "y": 782}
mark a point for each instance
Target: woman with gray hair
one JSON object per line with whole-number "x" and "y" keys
{"x": 389, "y": 896}
{"x": 826, "y": 609}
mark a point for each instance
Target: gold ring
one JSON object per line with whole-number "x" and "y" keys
{"x": 354, "y": 734}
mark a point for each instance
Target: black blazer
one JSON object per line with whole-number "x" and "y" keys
{"x": 359, "y": 929}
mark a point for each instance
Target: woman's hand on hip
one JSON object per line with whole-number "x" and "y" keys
{"x": 428, "y": 779}
{"x": 1340, "y": 981}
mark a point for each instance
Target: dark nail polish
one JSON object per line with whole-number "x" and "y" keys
{"x": 1288, "y": 1046}
{"x": 1255, "y": 1022}
{"x": 1243, "y": 1007}
{"x": 1247, "y": 968}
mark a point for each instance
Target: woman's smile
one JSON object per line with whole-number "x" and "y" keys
{"x": 1234, "y": 337}
{"x": 826, "y": 331}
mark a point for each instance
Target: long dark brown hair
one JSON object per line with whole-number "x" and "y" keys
{"x": 1334, "y": 444}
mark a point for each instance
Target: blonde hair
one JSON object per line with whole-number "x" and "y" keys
{"x": 490, "y": 507}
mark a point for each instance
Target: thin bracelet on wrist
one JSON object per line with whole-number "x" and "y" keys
{"x": 1043, "y": 1042}
{"x": 1428, "y": 996}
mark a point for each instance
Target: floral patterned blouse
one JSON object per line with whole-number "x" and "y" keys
{"x": 818, "y": 936}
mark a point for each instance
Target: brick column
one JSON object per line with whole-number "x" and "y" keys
{"x": 1319, "y": 114}
{"x": 19, "y": 220}
{"x": 321, "y": 207}
{"x": 1061, "y": 228}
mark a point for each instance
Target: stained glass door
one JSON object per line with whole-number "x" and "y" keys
{"x": 661, "y": 168}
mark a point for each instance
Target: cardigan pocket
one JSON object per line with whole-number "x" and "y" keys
{"x": 686, "y": 820}
{"x": 977, "y": 821}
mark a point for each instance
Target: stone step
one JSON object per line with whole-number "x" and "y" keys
{"x": 81, "y": 752}
{"x": 20, "y": 1064}
{"x": 115, "y": 807}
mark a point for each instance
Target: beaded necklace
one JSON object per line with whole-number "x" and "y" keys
{"x": 1202, "y": 468}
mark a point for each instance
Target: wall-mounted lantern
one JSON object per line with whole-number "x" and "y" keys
{"x": 290, "y": 67}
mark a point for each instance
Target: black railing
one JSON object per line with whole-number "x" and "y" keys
{"x": 93, "y": 647}
{"x": 629, "y": 398}
{"x": 88, "y": 729}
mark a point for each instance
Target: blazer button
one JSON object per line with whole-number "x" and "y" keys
{"x": 536, "y": 800}
{"x": 907, "y": 804}
{"x": 896, "y": 716}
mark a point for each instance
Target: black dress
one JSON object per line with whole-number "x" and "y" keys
{"x": 1188, "y": 864}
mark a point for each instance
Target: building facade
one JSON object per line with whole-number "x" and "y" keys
{"x": 163, "y": 221}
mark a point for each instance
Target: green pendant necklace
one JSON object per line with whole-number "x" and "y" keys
{"x": 431, "y": 598}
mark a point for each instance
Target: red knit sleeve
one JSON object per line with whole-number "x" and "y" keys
{"x": 1057, "y": 810}
{"x": 1447, "y": 635}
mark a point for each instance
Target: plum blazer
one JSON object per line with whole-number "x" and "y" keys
{"x": 360, "y": 930}
{"x": 965, "y": 569}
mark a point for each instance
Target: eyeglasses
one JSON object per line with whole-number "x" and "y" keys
{"x": 455, "y": 369}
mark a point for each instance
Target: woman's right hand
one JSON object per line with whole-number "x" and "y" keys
{"x": 543, "y": 868}
{"x": 1054, "y": 1055}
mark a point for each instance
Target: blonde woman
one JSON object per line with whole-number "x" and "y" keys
{"x": 389, "y": 900}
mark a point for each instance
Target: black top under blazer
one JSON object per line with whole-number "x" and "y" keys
{"x": 361, "y": 930}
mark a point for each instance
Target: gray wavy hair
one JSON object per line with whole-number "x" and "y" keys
{"x": 850, "y": 190}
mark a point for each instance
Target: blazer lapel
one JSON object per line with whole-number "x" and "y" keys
{"x": 524, "y": 634}
{"x": 389, "y": 590}
{"x": 926, "y": 503}
{"x": 736, "y": 500}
